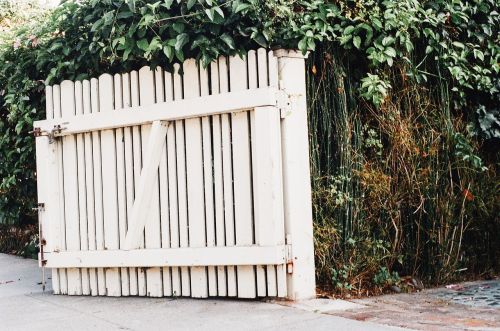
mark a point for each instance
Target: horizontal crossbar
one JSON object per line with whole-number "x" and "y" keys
{"x": 163, "y": 111}
{"x": 165, "y": 257}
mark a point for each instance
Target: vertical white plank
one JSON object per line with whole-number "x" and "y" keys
{"x": 296, "y": 177}
{"x": 109, "y": 185}
{"x": 70, "y": 167}
{"x": 194, "y": 180}
{"x": 228, "y": 176}
{"x": 98, "y": 207}
{"x": 43, "y": 180}
{"x": 137, "y": 148}
{"x": 129, "y": 175}
{"x": 208, "y": 181}
{"x": 121, "y": 180}
{"x": 53, "y": 231}
{"x": 218, "y": 182}
{"x": 263, "y": 81}
{"x": 152, "y": 228}
{"x": 164, "y": 93}
{"x": 172, "y": 183}
{"x": 89, "y": 186}
{"x": 242, "y": 179}
{"x": 181, "y": 183}
{"x": 63, "y": 280}
{"x": 82, "y": 191}
{"x": 254, "y": 74}
{"x": 262, "y": 68}
{"x": 267, "y": 183}
{"x": 273, "y": 69}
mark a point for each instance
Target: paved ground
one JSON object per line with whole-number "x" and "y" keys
{"x": 23, "y": 306}
{"x": 467, "y": 306}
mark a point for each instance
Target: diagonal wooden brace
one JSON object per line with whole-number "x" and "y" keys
{"x": 149, "y": 173}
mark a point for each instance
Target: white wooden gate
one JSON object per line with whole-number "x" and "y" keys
{"x": 191, "y": 183}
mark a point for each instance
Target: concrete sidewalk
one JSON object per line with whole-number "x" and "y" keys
{"x": 23, "y": 306}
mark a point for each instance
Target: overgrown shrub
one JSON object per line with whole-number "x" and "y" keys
{"x": 403, "y": 112}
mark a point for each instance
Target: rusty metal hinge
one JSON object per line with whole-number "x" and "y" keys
{"x": 52, "y": 134}
{"x": 39, "y": 207}
{"x": 289, "y": 255}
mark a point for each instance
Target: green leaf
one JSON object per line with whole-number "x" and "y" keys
{"x": 348, "y": 30}
{"x": 131, "y": 5}
{"x": 190, "y": 4}
{"x": 219, "y": 11}
{"x": 178, "y": 27}
{"x": 388, "y": 41}
{"x": 357, "y": 42}
{"x": 261, "y": 40}
{"x": 240, "y": 7}
{"x": 228, "y": 40}
{"x": 210, "y": 14}
{"x": 168, "y": 3}
{"x": 180, "y": 41}
{"x": 390, "y": 52}
{"x": 478, "y": 54}
{"x": 169, "y": 52}
{"x": 303, "y": 45}
{"x": 143, "y": 44}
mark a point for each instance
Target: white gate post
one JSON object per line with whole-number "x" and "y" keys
{"x": 296, "y": 176}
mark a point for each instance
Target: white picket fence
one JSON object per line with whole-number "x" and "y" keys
{"x": 192, "y": 183}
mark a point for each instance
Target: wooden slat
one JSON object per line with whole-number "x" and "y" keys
{"x": 163, "y": 87}
{"x": 82, "y": 191}
{"x": 181, "y": 182}
{"x": 98, "y": 202}
{"x": 254, "y": 74}
{"x": 166, "y": 111}
{"x": 137, "y": 148}
{"x": 152, "y": 227}
{"x": 228, "y": 176}
{"x": 129, "y": 181}
{"x": 242, "y": 179}
{"x": 109, "y": 185}
{"x": 89, "y": 187}
{"x": 63, "y": 280}
{"x": 153, "y": 144}
{"x": 208, "y": 181}
{"x": 137, "y": 276}
{"x": 172, "y": 187}
{"x": 264, "y": 79}
{"x": 52, "y": 199}
{"x": 121, "y": 179}
{"x": 273, "y": 70}
{"x": 194, "y": 180}
{"x": 220, "y": 232}
{"x": 71, "y": 187}
{"x": 267, "y": 183}
{"x": 189, "y": 256}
